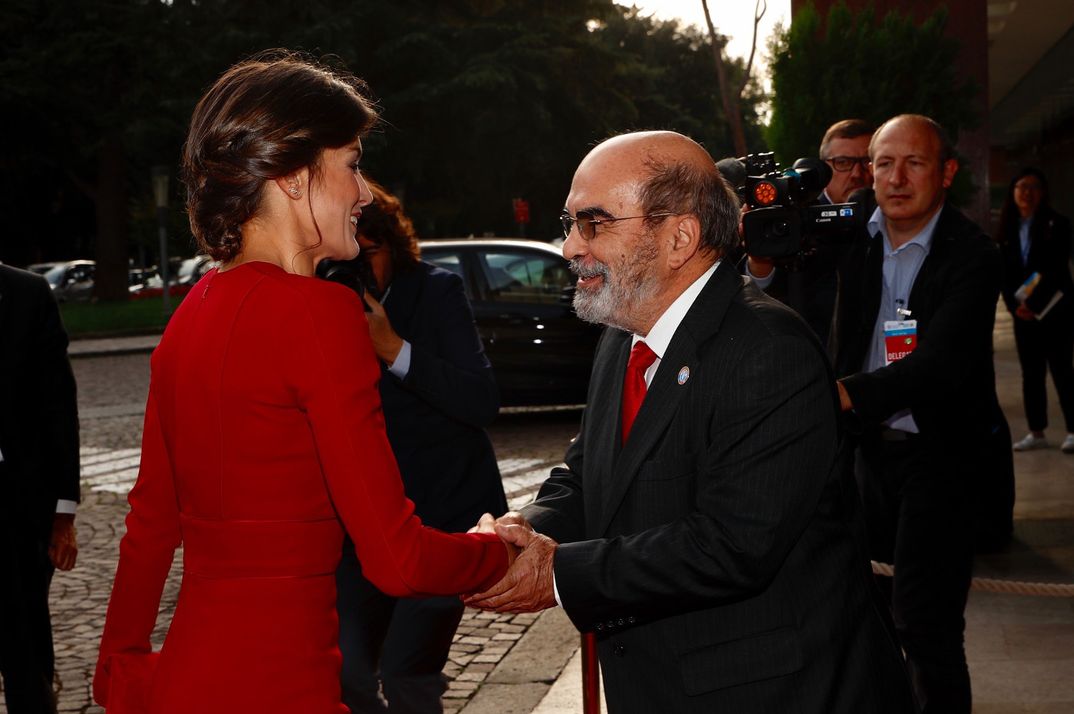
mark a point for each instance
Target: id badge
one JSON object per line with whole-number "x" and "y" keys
{"x": 900, "y": 339}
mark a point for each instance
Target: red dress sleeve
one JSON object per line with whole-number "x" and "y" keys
{"x": 337, "y": 381}
{"x": 145, "y": 555}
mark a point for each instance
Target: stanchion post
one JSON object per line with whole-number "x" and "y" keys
{"x": 590, "y": 675}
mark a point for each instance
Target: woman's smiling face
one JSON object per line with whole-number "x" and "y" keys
{"x": 337, "y": 194}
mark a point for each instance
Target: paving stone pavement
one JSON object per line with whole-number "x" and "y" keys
{"x": 1021, "y": 650}
{"x": 112, "y": 390}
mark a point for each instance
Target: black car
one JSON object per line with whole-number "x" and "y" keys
{"x": 521, "y": 292}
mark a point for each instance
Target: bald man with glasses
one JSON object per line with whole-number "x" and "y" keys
{"x": 700, "y": 527}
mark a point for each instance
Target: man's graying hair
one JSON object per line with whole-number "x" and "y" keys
{"x": 684, "y": 188}
{"x": 845, "y": 129}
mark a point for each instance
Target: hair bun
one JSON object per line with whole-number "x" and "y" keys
{"x": 266, "y": 117}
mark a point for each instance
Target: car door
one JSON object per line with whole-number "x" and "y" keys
{"x": 538, "y": 344}
{"x": 521, "y": 296}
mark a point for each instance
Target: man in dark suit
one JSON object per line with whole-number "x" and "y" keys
{"x": 38, "y": 483}
{"x": 708, "y": 539}
{"x": 914, "y": 354}
{"x": 438, "y": 394}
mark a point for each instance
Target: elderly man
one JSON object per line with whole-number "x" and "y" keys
{"x": 700, "y": 526}
{"x": 809, "y": 284}
{"x": 914, "y": 350}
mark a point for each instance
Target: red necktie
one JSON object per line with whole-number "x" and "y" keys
{"x": 641, "y": 358}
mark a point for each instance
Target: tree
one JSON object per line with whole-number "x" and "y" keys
{"x": 482, "y": 101}
{"x": 731, "y": 96}
{"x": 854, "y": 66}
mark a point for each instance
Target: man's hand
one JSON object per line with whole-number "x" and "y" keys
{"x": 1024, "y": 312}
{"x": 760, "y": 267}
{"x": 844, "y": 399}
{"x": 487, "y": 524}
{"x": 527, "y": 587}
{"x": 63, "y": 545}
{"x": 386, "y": 342}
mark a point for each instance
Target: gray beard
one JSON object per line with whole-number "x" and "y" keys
{"x": 613, "y": 302}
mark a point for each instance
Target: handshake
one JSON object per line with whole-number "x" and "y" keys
{"x": 527, "y": 586}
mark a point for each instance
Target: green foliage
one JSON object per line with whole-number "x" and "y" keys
{"x": 86, "y": 319}
{"x": 852, "y": 65}
{"x": 482, "y": 101}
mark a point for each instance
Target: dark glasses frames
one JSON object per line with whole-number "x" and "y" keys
{"x": 843, "y": 164}
{"x": 587, "y": 224}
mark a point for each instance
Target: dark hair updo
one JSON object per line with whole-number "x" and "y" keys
{"x": 265, "y": 118}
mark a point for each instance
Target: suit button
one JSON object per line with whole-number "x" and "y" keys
{"x": 631, "y": 620}
{"x": 600, "y": 627}
{"x": 619, "y": 650}
{"x": 611, "y": 624}
{"x": 621, "y": 622}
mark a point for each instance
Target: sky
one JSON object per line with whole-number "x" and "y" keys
{"x": 733, "y": 18}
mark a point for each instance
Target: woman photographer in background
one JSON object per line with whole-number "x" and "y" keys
{"x": 438, "y": 393}
{"x": 1034, "y": 241}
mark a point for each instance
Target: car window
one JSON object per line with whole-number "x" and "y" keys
{"x": 54, "y": 276}
{"x": 80, "y": 273}
{"x": 525, "y": 276}
{"x": 445, "y": 260}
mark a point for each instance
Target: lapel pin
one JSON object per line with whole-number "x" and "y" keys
{"x": 684, "y": 375}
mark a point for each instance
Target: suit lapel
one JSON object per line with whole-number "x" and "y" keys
{"x": 920, "y": 293}
{"x": 665, "y": 393}
{"x": 401, "y": 304}
{"x": 602, "y": 427}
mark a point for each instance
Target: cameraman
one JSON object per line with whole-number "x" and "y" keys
{"x": 913, "y": 351}
{"x": 809, "y": 285}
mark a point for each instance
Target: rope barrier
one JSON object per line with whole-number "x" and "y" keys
{"x": 995, "y": 585}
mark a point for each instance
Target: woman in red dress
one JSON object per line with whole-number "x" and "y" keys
{"x": 263, "y": 436}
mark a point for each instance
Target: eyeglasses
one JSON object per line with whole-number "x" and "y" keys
{"x": 587, "y": 224}
{"x": 846, "y": 163}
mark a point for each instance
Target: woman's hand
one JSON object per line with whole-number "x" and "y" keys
{"x": 385, "y": 340}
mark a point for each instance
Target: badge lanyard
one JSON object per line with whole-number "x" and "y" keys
{"x": 900, "y": 336}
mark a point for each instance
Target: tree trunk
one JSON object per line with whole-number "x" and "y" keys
{"x": 731, "y": 110}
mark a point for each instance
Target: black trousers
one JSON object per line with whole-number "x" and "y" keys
{"x": 401, "y": 644}
{"x": 27, "y": 662}
{"x": 918, "y": 519}
{"x": 1046, "y": 344}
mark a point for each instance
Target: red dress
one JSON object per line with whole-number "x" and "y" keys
{"x": 263, "y": 432}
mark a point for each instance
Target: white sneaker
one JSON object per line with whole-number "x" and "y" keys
{"x": 1029, "y": 442}
{"x": 1068, "y": 444}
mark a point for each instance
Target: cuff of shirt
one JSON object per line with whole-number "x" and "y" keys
{"x": 764, "y": 282}
{"x": 555, "y": 589}
{"x": 65, "y": 506}
{"x": 401, "y": 366}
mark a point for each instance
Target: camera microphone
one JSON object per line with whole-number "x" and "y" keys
{"x": 813, "y": 174}
{"x": 733, "y": 171}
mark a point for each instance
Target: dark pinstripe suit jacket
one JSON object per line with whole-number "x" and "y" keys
{"x": 38, "y": 407}
{"x": 717, "y": 555}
